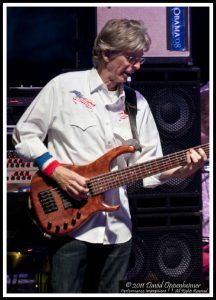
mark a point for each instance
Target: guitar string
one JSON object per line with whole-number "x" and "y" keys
{"x": 103, "y": 182}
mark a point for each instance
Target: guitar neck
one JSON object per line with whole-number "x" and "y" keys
{"x": 111, "y": 180}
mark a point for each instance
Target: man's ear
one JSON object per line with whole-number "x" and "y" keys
{"x": 106, "y": 55}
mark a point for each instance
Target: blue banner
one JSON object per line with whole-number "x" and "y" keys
{"x": 177, "y": 31}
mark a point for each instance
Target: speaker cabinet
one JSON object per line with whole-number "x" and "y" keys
{"x": 173, "y": 95}
{"x": 166, "y": 248}
{"x": 167, "y": 220}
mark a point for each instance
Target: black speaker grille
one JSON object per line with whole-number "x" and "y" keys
{"x": 174, "y": 110}
{"x": 172, "y": 255}
{"x": 140, "y": 260}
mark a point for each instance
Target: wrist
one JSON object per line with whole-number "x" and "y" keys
{"x": 46, "y": 163}
{"x": 43, "y": 160}
{"x": 181, "y": 172}
{"x": 48, "y": 171}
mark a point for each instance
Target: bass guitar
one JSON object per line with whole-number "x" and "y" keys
{"x": 59, "y": 214}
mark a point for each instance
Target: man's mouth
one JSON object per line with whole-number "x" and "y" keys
{"x": 126, "y": 74}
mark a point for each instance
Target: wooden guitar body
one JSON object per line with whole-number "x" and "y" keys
{"x": 58, "y": 213}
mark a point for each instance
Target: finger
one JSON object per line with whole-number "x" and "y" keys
{"x": 72, "y": 192}
{"x": 77, "y": 191}
{"x": 82, "y": 189}
{"x": 188, "y": 157}
{"x": 195, "y": 156}
{"x": 203, "y": 154}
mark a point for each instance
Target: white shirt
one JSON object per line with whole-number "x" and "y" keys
{"x": 83, "y": 122}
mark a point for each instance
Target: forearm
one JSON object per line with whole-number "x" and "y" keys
{"x": 177, "y": 172}
{"x": 194, "y": 161}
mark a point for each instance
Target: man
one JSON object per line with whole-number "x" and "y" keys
{"x": 83, "y": 115}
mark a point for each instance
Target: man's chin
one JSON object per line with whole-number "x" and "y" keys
{"x": 124, "y": 78}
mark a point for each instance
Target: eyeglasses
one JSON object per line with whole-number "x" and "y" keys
{"x": 133, "y": 59}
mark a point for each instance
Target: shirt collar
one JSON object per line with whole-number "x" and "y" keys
{"x": 95, "y": 82}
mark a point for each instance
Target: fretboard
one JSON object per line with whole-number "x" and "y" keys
{"x": 111, "y": 180}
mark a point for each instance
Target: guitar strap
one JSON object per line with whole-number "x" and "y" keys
{"x": 131, "y": 110}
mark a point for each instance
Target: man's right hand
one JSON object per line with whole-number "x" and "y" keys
{"x": 71, "y": 182}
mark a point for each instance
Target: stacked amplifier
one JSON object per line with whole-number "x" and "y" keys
{"x": 22, "y": 234}
{"x": 167, "y": 220}
{"x": 19, "y": 171}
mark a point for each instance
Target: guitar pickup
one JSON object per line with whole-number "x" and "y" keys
{"x": 47, "y": 202}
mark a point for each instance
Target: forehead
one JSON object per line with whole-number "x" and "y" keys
{"x": 136, "y": 53}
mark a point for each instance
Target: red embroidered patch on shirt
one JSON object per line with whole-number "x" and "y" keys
{"x": 88, "y": 103}
{"x": 122, "y": 115}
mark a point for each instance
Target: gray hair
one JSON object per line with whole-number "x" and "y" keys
{"x": 120, "y": 35}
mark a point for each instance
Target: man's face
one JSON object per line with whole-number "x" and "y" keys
{"x": 120, "y": 67}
